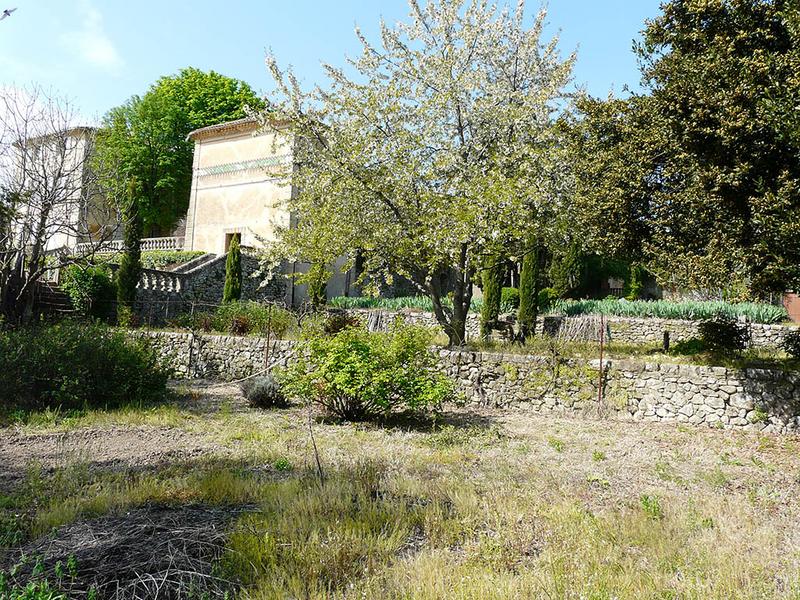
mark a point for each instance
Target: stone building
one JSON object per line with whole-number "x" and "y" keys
{"x": 55, "y": 178}
{"x": 239, "y": 190}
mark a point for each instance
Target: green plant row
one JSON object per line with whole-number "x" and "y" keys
{"x": 661, "y": 309}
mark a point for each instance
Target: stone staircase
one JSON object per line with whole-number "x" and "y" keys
{"x": 195, "y": 263}
{"x": 50, "y": 300}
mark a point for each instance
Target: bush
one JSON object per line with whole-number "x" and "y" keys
{"x": 724, "y": 335}
{"x": 158, "y": 259}
{"x": 509, "y": 298}
{"x": 547, "y": 298}
{"x": 791, "y": 343}
{"x": 76, "y": 366}
{"x": 91, "y": 290}
{"x": 337, "y": 322}
{"x": 263, "y": 392}
{"x": 357, "y": 375}
{"x": 241, "y": 318}
{"x": 232, "y": 291}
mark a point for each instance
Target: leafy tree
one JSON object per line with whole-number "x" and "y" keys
{"x": 233, "y": 273}
{"x": 493, "y": 275}
{"x": 442, "y": 145}
{"x": 701, "y": 177}
{"x": 145, "y": 139}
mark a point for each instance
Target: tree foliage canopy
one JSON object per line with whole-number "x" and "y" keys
{"x": 145, "y": 139}
{"x": 440, "y": 144}
{"x": 701, "y": 177}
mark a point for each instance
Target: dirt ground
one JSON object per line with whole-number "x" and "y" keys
{"x": 602, "y": 464}
{"x": 113, "y": 448}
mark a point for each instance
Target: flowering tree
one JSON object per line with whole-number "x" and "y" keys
{"x": 439, "y": 147}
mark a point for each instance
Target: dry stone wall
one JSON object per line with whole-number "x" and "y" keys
{"x": 623, "y": 330}
{"x": 751, "y": 399}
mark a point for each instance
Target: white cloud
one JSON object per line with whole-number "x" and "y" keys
{"x": 91, "y": 42}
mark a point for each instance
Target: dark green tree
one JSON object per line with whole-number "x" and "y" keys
{"x": 529, "y": 288}
{"x": 130, "y": 266}
{"x": 492, "y": 276}
{"x": 233, "y": 273}
{"x": 145, "y": 139}
{"x": 700, "y": 178}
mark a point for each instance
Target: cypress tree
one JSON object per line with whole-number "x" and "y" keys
{"x": 233, "y": 273}
{"x": 493, "y": 275}
{"x": 130, "y": 266}
{"x": 529, "y": 289}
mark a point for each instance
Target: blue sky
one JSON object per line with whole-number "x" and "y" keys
{"x": 100, "y": 52}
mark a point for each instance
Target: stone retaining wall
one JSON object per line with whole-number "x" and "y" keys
{"x": 752, "y": 399}
{"x": 623, "y": 330}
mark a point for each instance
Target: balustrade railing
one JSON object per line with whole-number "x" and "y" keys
{"x": 160, "y": 243}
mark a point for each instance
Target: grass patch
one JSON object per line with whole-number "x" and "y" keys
{"x": 458, "y": 511}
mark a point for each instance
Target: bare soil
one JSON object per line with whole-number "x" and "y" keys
{"x": 113, "y": 448}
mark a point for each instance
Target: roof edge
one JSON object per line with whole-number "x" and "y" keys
{"x": 220, "y": 129}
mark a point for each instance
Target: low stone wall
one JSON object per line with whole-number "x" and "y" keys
{"x": 164, "y": 295}
{"x": 623, "y": 330}
{"x": 220, "y": 357}
{"x": 751, "y": 399}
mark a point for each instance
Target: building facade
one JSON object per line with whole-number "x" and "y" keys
{"x": 239, "y": 190}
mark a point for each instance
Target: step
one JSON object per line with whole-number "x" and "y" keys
{"x": 194, "y": 263}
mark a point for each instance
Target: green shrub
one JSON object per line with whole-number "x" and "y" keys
{"x": 492, "y": 277}
{"x": 233, "y": 273}
{"x": 509, "y": 298}
{"x": 791, "y": 343}
{"x": 547, "y": 298}
{"x": 634, "y": 283}
{"x": 91, "y": 290}
{"x": 263, "y": 392}
{"x": 357, "y": 375}
{"x": 242, "y": 318}
{"x": 159, "y": 259}
{"x": 724, "y": 335}
{"x": 75, "y": 366}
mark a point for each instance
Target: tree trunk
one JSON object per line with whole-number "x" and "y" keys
{"x": 454, "y": 322}
{"x": 26, "y": 296}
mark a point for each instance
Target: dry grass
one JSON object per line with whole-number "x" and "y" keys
{"x": 483, "y": 505}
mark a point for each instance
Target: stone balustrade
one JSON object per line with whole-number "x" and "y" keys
{"x": 148, "y": 244}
